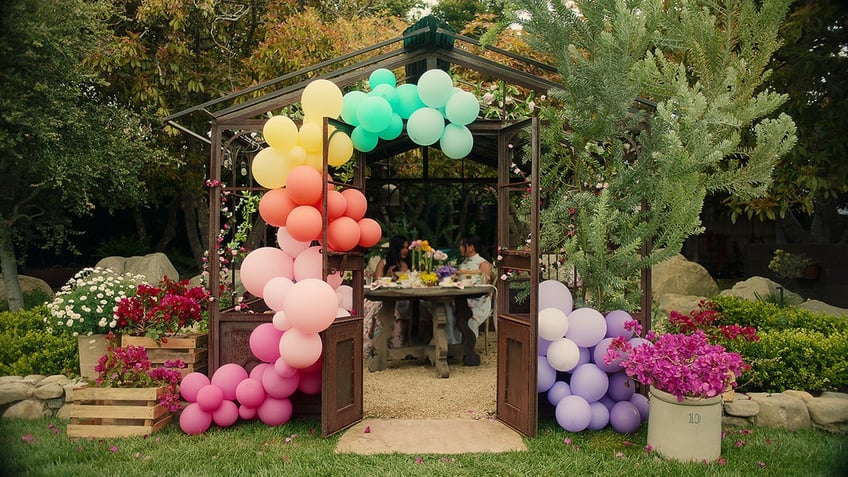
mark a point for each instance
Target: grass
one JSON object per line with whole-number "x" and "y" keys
{"x": 41, "y": 448}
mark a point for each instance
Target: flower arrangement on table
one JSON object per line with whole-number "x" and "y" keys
{"x": 685, "y": 365}
{"x": 158, "y": 311}
{"x": 422, "y": 256}
{"x": 129, "y": 367}
{"x": 86, "y": 304}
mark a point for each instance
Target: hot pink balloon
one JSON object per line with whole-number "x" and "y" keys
{"x": 250, "y": 392}
{"x": 228, "y": 377}
{"x": 209, "y": 397}
{"x": 284, "y": 369}
{"x": 275, "y": 412}
{"x": 304, "y": 185}
{"x": 336, "y": 204}
{"x": 226, "y": 415}
{"x": 314, "y": 367}
{"x": 190, "y": 384}
{"x": 308, "y": 264}
{"x": 258, "y": 370}
{"x": 344, "y": 293}
{"x": 312, "y": 307}
{"x": 274, "y": 292}
{"x": 310, "y": 383}
{"x": 280, "y": 322}
{"x": 300, "y": 349}
{"x": 356, "y": 204}
{"x": 370, "y": 232}
{"x": 194, "y": 420}
{"x": 263, "y": 264}
{"x": 289, "y": 244}
{"x": 304, "y": 223}
{"x": 280, "y": 387}
{"x": 247, "y": 413}
{"x": 265, "y": 342}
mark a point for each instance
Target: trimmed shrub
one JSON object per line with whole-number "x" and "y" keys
{"x": 28, "y": 347}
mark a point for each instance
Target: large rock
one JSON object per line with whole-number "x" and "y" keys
{"x": 15, "y": 391}
{"x": 781, "y": 410}
{"x": 829, "y": 414}
{"x": 822, "y": 307}
{"x": 759, "y": 288}
{"x": 153, "y": 266}
{"x": 682, "y": 277}
{"x": 679, "y": 303}
{"x": 28, "y": 284}
{"x": 29, "y": 409}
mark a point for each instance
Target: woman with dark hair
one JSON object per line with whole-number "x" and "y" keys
{"x": 397, "y": 258}
{"x": 395, "y": 261}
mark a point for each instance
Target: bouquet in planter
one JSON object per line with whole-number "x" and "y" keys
{"x": 158, "y": 311}
{"x": 87, "y": 303}
{"x": 129, "y": 367}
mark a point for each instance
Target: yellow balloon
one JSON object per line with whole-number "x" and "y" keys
{"x": 310, "y": 137}
{"x": 340, "y": 149}
{"x": 297, "y": 156}
{"x": 280, "y": 132}
{"x": 270, "y": 168}
{"x": 322, "y": 98}
{"x": 315, "y": 161}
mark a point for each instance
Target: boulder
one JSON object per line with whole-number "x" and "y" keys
{"x": 822, "y": 307}
{"x": 49, "y": 391}
{"x": 682, "y": 277}
{"x": 829, "y": 414}
{"x": 679, "y": 303}
{"x": 759, "y": 288}
{"x": 741, "y": 407}
{"x": 153, "y": 266}
{"x": 15, "y": 391}
{"x": 28, "y": 409}
{"x": 28, "y": 284}
{"x": 781, "y": 411}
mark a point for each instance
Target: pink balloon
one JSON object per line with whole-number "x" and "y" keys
{"x": 265, "y": 342}
{"x": 209, "y": 397}
{"x": 335, "y": 279}
{"x": 194, "y": 420}
{"x": 247, "y": 413}
{"x": 308, "y": 264}
{"x": 284, "y": 369}
{"x": 310, "y": 383}
{"x": 300, "y": 349}
{"x": 190, "y": 384}
{"x": 304, "y": 223}
{"x": 312, "y": 306}
{"x": 336, "y": 204}
{"x": 304, "y": 185}
{"x": 356, "y": 204}
{"x": 370, "y": 232}
{"x": 344, "y": 293}
{"x": 279, "y": 387}
{"x": 263, "y": 264}
{"x": 275, "y": 412}
{"x": 258, "y": 370}
{"x": 274, "y": 292}
{"x": 314, "y": 367}
{"x": 250, "y": 392}
{"x": 342, "y": 234}
{"x": 226, "y": 415}
{"x": 280, "y": 322}
{"x": 275, "y": 206}
{"x": 228, "y": 377}
{"x": 290, "y": 245}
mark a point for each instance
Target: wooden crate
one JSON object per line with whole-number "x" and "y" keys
{"x": 117, "y": 412}
{"x": 191, "y": 349}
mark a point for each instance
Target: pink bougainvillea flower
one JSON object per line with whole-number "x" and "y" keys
{"x": 367, "y": 430}
{"x": 722, "y": 461}
{"x": 113, "y": 449}
{"x": 648, "y": 448}
{"x": 627, "y": 443}
{"x": 739, "y": 443}
{"x": 762, "y": 464}
{"x": 746, "y": 431}
{"x": 28, "y": 438}
{"x": 567, "y": 441}
{"x": 419, "y": 460}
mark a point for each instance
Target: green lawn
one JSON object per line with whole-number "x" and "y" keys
{"x": 41, "y": 448}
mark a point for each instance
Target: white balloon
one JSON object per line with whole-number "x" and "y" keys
{"x": 345, "y": 295}
{"x": 554, "y": 294}
{"x": 553, "y": 323}
{"x": 563, "y": 354}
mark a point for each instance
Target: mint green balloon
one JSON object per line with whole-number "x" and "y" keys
{"x": 374, "y": 114}
{"x": 408, "y": 100}
{"x": 456, "y": 141}
{"x": 382, "y": 76}
{"x": 363, "y": 140}
{"x": 394, "y": 129}
{"x": 387, "y": 92}
{"x": 425, "y": 126}
{"x": 462, "y": 108}
{"x": 435, "y": 87}
{"x": 350, "y": 103}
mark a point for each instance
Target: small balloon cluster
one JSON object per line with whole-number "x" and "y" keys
{"x": 586, "y": 392}
{"x": 434, "y": 111}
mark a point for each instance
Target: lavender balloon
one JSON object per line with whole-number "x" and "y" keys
{"x": 615, "y": 324}
{"x": 641, "y": 403}
{"x": 589, "y": 382}
{"x": 542, "y": 347}
{"x": 625, "y": 418}
{"x": 573, "y": 413}
{"x": 585, "y": 356}
{"x": 554, "y": 293}
{"x": 586, "y": 326}
{"x": 600, "y": 416}
{"x": 598, "y": 357}
{"x": 621, "y": 386}
{"x": 559, "y": 390}
{"x": 545, "y": 375}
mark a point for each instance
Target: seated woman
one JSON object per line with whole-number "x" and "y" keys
{"x": 395, "y": 261}
{"x": 481, "y": 307}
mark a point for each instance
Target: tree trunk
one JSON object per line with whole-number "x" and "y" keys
{"x": 9, "y": 265}
{"x": 140, "y": 226}
{"x": 170, "y": 230}
{"x": 191, "y": 227}
{"x": 793, "y": 231}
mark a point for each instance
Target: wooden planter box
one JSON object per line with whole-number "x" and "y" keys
{"x": 191, "y": 349}
{"x": 117, "y": 412}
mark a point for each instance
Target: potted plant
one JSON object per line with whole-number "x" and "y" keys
{"x": 792, "y": 265}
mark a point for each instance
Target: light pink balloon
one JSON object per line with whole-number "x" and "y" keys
{"x": 228, "y": 377}
{"x": 288, "y": 244}
{"x": 190, "y": 384}
{"x": 284, "y": 369}
{"x": 194, "y": 420}
{"x": 275, "y": 291}
{"x": 300, "y": 349}
{"x": 247, "y": 413}
{"x": 279, "y": 387}
{"x": 263, "y": 264}
{"x": 209, "y": 397}
{"x": 250, "y": 392}
{"x": 258, "y": 370}
{"x": 335, "y": 279}
{"x": 280, "y": 322}
{"x": 312, "y": 306}
{"x": 310, "y": 383}
{"x": 308, "y": 264}
{"x": 275, "y": 412}
{"x": 265, "y": 342}
{"x": 226, "y": 415}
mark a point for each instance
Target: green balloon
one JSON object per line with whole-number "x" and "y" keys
{"x": 382, "y": 76}
{"x": 363, "y": 140}
{"x": 387, "y": 92}
{"x": 462, "y": 108}
{"x": 435, "y": 87}
{"x": 374, "y": 114}
{"x": 350, "y": 103}
{"x": 394, "y": 129}
{"x": 408, "y": 100}
{"x": 456, "y": 142}
{"x": 425, "y": 126}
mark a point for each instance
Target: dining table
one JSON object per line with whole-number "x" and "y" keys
{"x": 439, "y": 298}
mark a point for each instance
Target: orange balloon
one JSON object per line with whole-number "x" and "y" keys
{"x": 275, "y": 206}
{"x": 304, "y": 185}
{"x": 304, "y": 223}
{"x": 356, "y": 203}
{"x": 336, "y": 204}
{"x": 370, "y": 232}
{"x": 342, "y": 234}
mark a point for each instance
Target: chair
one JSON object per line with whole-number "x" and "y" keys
{"x": 492, "y": 318}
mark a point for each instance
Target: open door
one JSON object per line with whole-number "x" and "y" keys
{"x": 517, "y": 400}
{"x": 341, "y": 396}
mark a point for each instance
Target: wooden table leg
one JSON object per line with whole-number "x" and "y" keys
{"x": 439, "y": 354}
{"x": 469, "y": 341}
{"x": 379, "y": 361}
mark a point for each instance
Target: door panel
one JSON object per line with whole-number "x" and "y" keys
{"x": 341, "y": 395}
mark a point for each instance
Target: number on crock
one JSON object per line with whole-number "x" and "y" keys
{"x": 694, "y": 418}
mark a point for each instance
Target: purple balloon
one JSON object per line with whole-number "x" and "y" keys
{"x": 554, "y": 293}
{"x": 585, "y": 356}
{"x": 542, "y": 348}
{"x": 641, "y": 403}
{"x": 559, "y": 390}
{"x": 625, "y": 418}
{"x": 598, "y": 357}
{"x": 607, "y": 401}
{"x": 621, "y": 386}
{"x": 545, "y": 375}
{"x": 586, "y": 327}
{"x": 600, "y": 416}
{"x": 615, "y": 324}
{"x": 589, "y": 382}
{"x": 573, "y": 413}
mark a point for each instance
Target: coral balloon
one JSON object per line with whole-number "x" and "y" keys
{"x": 308, "y": 265}
{"x": 194, "y": 420}
{"x": 322, "y": 98}
{"x": 336, "y": 204}
{"x": 280, "y": 132}
{"x": 210, "y": 397}
{"x": 275, "y": 292}
{"x": 335, "y": 279}
{"x": 275, "y": 412}
{"x": 312, "y": 307}
{"x": 304, "y": 223}
{"x": 226, "y": 415}
{"x": 250, "y": 392}
{"x": 288, "y": 244}
{"x": 191, "y": 384}
{"x": 300, "y": 349}
{"x": 270, "y": 168}
{"x": 228, "y": 377}
{"x": 275, "y": 206}
{"x": 280, "y": 386}
{"x": 265, "y": 342}
{"x": 357, "y": 204}
{"x": 435, "y": 87}
{"x": 305, "y": 185}
{"x": 370, "y": 232}
{"x": 263, "y": 264}
{"x": 342, "y": 234}
{"x": 340, "y": 149}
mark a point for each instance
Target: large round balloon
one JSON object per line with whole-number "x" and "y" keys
{"x": 228, "y": 377}
{"x": 256, "y": 372}
{"x": 288, "y": 244}
{"x": 554, "y": 293}
{"x": 600, "y": 351}
{"x": 265, "y": 342}
{"x": 641, "y": 403}
{"x": 357, "y": 204}
{"x": 363, "y": 140}
{"x": 342, "y": 234}
{"x": 304, "y": 185}
{"x": 621, "y": 386}
{"x": 600, "y": 416}
{"x": 263, "y": 264}
{"x": 425, "y": 126}
{"x": 350, "y": 105}
{"x": 300, "y": 349}
{"x": 296, "y": 157}
{"x": 344, "y": 293}
{"x": 310, "y": 137}
{"x": 462, "y": 108}
{"x": 435, "y": 87}
{"x": 270, "y": 168}
{"x": 310, "y": 383}
{"x": 559, "y": 390}
{"x": 247, "y": 413}
{"x": 226, "y": 415}
{"x": 625, "y": 417}
{"x": 336, "y": 204}
{"x": 274, "y": 293}
{"x": 304, "y": 223}
{"x": 393, "y": 130}
{"x": 250, "y": 392}
{"x": 586, "y": 326}
{"x": 311, "y": 306}
{"x": 194, "y": 420}
{"x": 275, "y": 206}
{"x": 279, "y": 386}
{"x": 456, "y": 141}
{"x": 573, "y": 413}
{"x": 322, "y": 97}
{"x": 374, "y": 114}
{"x": 308, "y": 264}
{"x": 382, "y": 76}
{"x": 210, "y": 397}
{"x": 408, "y": 100}
{"x": 589, "y": 382}
{"x": 563, "y": 354}
{"x": 545, "y": 375}
{"x": 615, "y": 324}
{"x": 340, "y": 149}
{"x": 552, "y": 323}
{"x": 275, "y": 412}
{"x": 386, "y": 92}
{"x": 280, "y": 132}
{"x": 370, "y": 232}
{"x": 191, "y": 384}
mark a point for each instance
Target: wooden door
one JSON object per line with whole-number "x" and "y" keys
{"x": 341, "y": 395}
